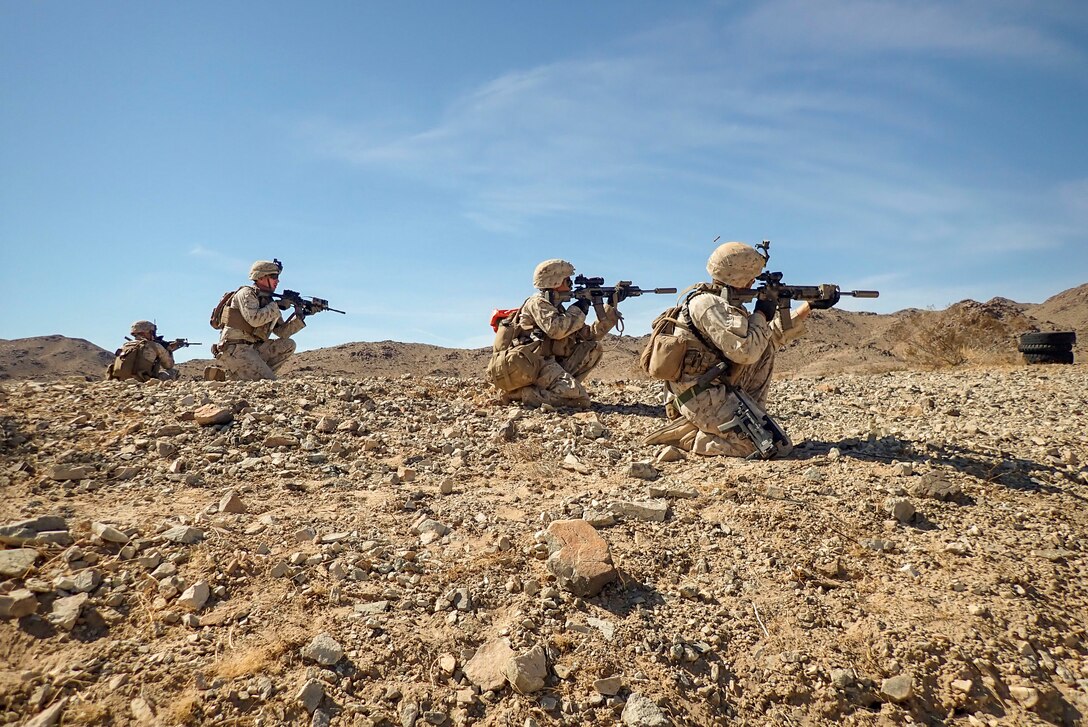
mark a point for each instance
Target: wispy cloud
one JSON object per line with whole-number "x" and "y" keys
{"x": 986, "y": 29}
{"x": 797, "y": 104}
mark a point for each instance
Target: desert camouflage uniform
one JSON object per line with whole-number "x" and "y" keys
{"x": 248, "y": 355}
{"x": 153, "y": 360}
{"x": 747, "y": 340}
{"x": 571, "y": 349}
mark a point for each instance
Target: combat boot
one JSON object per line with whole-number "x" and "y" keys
{"x": 679, "y": 432}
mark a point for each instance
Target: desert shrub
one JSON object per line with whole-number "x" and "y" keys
{"x": 967, "y": 333}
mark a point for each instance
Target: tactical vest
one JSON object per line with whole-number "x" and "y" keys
{"x": 668, "y": 356}
{"x": 227, "y": 314}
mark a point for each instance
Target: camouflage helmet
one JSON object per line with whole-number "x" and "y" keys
{"x": 735, "y": 264}
{"x": 551, "y": 273}
{"x": 143, "y": 327}
{"x": 262, "y": 268}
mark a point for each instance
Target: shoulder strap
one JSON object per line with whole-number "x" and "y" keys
{"x": 690, "y": 325}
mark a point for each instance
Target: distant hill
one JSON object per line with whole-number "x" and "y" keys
{"x": 1067, "y": 310}
{"x": 50, "y": 357}
{"x": 836, "y": 341}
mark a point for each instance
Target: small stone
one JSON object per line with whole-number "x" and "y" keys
{"x": 642, "y": 471}
{"x": 408, "y": 713}
{"x": 900, "y": 508}
{"x": 963, "y": 686}
{"x": 641, "y": 711}
{"x": 63, "y": 472}
{"x": 446, "y": 486}
{"x": 672, "y": 491}
{"x": 323, "y": 649}
{"x": 231, "y": 503}
{"x": 195, "y": 596}
{"x": 280, "y": 440}
{"x": 108, "y": 533}
{"x": 1028, "y": 697}
{"x": 18, "y": 562}
{"x": 18, "y": 603}
{"x": 897, "y": 688}
{"x": 66, "y": 611}
{"x": 86, "y": 581}
{"x": 487, "y": 668}
{"x": 526, "y": 672}
{"x": 310, "y": 695}
{"x": 579, "y": 557}
{"x": 183, "y": 534}
{"x": 49, "y": 717}
{"x": 936, "y": 486}
{"x": 213, "y": 414}
{"x": 649, "y": 510}
{"x": 327, "y": 425}
{"x": 669, "y": 454}
{"x": 609, "y": 686}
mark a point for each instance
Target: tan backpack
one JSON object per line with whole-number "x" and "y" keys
{"x": 664, "y": 354}
{"x": 217, "y": 312}
{"x": 127, "y": 363}
{"x": 511, "y": 366}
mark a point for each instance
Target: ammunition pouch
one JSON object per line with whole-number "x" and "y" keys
{"x": 515, "y": 367}
{"x": 666, "y": 357}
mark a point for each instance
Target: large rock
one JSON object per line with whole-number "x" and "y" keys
{"x": 526, "y": 672}
{"x": 579, "y": 557}
{"x": 17, "y": 563}
{"x": 487, "y": 668}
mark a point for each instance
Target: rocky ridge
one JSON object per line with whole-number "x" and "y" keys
{"x": 402, "y": 551}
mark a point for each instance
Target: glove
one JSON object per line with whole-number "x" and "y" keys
{"x": 618, "y": 296}
{"x": 582, "y": 304}
{"x": 824, "y": 303}
{"x": 766, "y": 307}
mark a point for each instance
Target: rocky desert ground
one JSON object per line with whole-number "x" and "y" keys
{"x": 364, "y": 548}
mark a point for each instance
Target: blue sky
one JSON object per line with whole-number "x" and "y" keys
{"x": 413, "y": 161}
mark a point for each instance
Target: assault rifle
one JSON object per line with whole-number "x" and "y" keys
{"x": 303, "y": 306}
{"x": 595, "y": 291}
{"x": 177, "y": 343}
{"x": 781, "y": 295}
